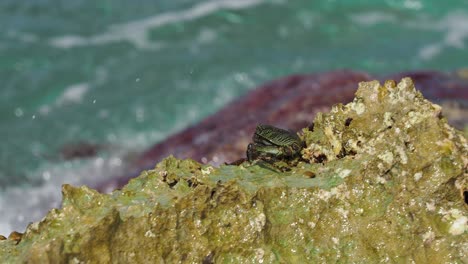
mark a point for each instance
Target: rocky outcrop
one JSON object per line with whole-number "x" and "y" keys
{"x": 382, "y": 178}
{"x": 290, "y": 102}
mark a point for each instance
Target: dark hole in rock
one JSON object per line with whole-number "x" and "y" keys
{"x": 465, "y": 196}
{"x": 321, "y": 158}
{"x": 342, "y": 153}
{"x": 209, "y": 259}
{"x": 203, "y": 215}
{"x": 192, "y": 184}
{"x": 407, "y": 144}
{"x": 253, "y": 203}
{"x": 348, "y": 121}
{"x": 172, "y": 184}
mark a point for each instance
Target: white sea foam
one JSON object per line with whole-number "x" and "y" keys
{"x": 206, "y": 35}
{"x": 429, "y": 51}
{"x": 413, "y": 4}
{"x": 75, "y": 93}
{"x": 372, "y": 18}
{"x": 72, "y": 94}
{"x": 455, "y": 29}
{"x": 17, "y": 210}
{"x": 135, "y": 32}
{"x": 19, "y": 206}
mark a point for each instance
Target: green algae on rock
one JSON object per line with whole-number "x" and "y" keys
{"x": 382, "y": 178}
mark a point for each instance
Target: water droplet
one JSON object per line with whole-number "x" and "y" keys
{"x": 46, "y": 175}
{"x": 19, "y": 112}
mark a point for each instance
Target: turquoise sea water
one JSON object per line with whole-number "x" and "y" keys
{"x": 128, "y": 73}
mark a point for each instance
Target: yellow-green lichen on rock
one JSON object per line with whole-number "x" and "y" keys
{"x": 381, "y": 179}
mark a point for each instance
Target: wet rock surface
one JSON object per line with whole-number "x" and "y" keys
{"x": 389, "y": 185}
{"x": 290, "y": 103}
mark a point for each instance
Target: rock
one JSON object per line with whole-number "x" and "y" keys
{"x": 79, "y": 150}
{"x": 290, "y": 103}
{"x": 75, "y": 150}
{"x": 389, "y": 187}
{"x": 15, "y": 236}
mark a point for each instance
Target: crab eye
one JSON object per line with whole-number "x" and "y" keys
{"x": 296, "y": 147}
{"x": 288, "y": 151}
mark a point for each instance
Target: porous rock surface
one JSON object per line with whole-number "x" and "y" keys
{"x": 290, "y": 102}
{"x": 382, "y": 178}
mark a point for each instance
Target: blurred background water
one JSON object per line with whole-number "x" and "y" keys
{"x": 125, "y": 74}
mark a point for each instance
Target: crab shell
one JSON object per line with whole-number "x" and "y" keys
{"x": 272, "y": 141}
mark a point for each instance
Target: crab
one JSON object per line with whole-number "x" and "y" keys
{"x": 272, "y": 144}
